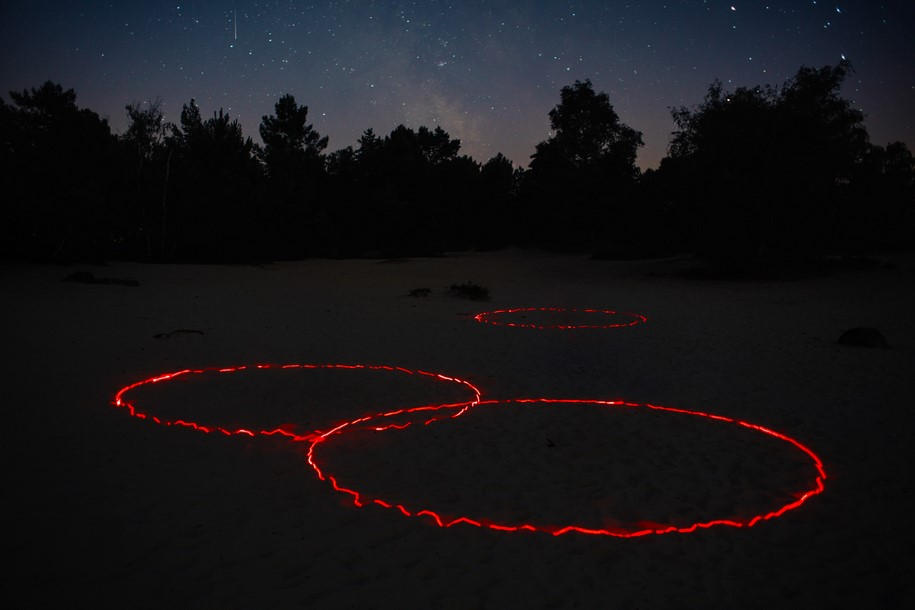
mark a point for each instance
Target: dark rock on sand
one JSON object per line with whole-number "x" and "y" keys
{"x": 469, "y": 290}
{"x": 863, "y": 337}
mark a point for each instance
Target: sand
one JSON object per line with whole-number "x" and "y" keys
{"x": 106, "y": 510}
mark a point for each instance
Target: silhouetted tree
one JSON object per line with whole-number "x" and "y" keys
{"x": 898, "y": 194}
{"x": 399, "y": 193}
{"x": 764, "y": 168}
{"x": 436, "y": 145}
{"x": 355, "y": 180}
{"x": 659, "y": 227}
{"x": 146, "y": 130}
{"x": 144, "y": 216}
{"x": 215, "y": 190}
{"x": 877, "y": 210}
{"x": 293, "y": 155}
{"x": 581, "y": 179}
{"x": 411, "y": 219}
{"x": 461, "y": 210}
{"x": 588, "y": 134}
{"x": 493, "y": 213}
{"x": 56, "y": 188}
{"x": 290, "y": 142}
{"x": 720, "y": 154}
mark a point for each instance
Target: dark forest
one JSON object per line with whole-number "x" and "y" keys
{"x": 759, "y": 175}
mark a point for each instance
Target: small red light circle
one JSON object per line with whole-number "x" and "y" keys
{"x": 604, "y": 318}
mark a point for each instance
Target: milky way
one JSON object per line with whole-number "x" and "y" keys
{"x": 487, "y": 72}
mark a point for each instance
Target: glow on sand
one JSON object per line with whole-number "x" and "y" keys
{"x": 361, "y": 500}
{"x": 603, "y": 318}
{"x": 121, "y": 401}
{"x": 426, "y": 414}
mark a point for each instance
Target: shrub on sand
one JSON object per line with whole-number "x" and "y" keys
{"x": 469, "y": 290}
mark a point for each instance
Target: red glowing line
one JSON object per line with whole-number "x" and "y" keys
{"x": 488, "y": 317}
{"x": 453, "y": 410}
{"x": 392, "y": 426}
{"x": 658, "y": 529}
{"x": 121, "y": 402}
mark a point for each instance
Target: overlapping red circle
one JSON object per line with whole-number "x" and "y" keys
{"x": 495, "y": 318}
{"x": 120, "y": 399}
{"x": 361, "y": 499}
{"x": 426, "y": 414}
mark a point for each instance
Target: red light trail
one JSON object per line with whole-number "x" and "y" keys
{"x": 361, "y": 500}
{"x": 492, "y": 317}
{"x": 434, "y": 412}
{"x": 121, "y": 401}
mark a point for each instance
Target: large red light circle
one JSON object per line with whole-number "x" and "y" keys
{"x": 379, "y": 423}
{"x": 604, "y": 318}
{"x": 120, "y": 399}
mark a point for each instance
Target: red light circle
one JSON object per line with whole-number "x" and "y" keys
{"x": 361, "y": 499}
{"x": 121, "y": 401}
{"x": 491, "y": 317}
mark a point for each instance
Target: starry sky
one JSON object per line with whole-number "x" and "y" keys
{"x": 488, "y": 72}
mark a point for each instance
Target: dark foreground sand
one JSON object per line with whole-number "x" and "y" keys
{"x": 105, "y": 510}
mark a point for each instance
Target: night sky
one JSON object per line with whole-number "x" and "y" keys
{"x": 487, "y": 72}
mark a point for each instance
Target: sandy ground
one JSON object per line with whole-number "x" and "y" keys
{"x": 105, "y": 510}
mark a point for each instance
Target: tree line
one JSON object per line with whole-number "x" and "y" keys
{"x": 759, "y": 174}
